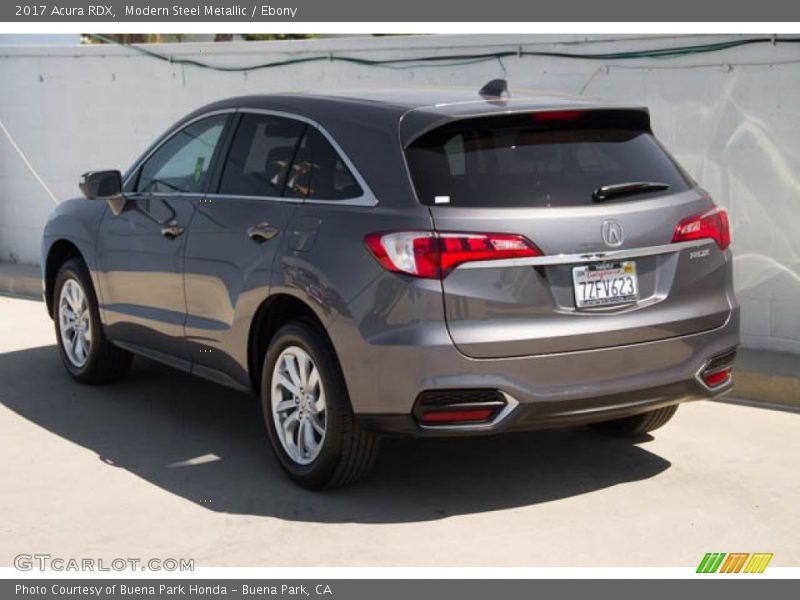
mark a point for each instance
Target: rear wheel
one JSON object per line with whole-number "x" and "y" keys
{"x": 307, "y": 410}
{"x": 637, "y": 424}
{"x": 85, "y": 351}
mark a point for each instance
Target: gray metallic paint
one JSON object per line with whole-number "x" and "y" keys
{"x": 499, "y": 327}
{"x": 677, "y": 295}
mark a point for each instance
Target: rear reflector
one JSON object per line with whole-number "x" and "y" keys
{"x": 434, "y": 255}
{"x": 718, "y": 370}
{"x": 458, "y": 416}
{"x": 717, "y": 378}
{"x": 712, "y": 225}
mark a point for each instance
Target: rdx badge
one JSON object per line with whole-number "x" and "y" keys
{"x": 699, "y": 253}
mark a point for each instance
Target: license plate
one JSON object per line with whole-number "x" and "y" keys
{"x": 605, "y": 284}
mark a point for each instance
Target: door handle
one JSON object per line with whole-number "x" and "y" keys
{"x": 262, "y": 232}
{"x": 171, "y": 230}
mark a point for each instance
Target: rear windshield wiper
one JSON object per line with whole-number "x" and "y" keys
{"x": 604, "y": 192}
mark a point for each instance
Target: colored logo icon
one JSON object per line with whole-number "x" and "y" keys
{"x": 735, "y": 562}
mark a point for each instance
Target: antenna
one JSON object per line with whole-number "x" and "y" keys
{"x": 496, "y": 88}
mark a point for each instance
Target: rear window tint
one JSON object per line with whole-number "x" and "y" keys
{"x": 260, "y": 155}
{"x": 518, "y": 161}
{"x": 319, "y": 173}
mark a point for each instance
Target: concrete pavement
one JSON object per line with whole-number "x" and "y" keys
{"x": 20, "y": 280}
{"x": 166, "y": 465}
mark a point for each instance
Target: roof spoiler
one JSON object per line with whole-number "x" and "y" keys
{"x": 415, "y": 124}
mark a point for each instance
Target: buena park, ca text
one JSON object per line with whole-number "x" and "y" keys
{"x": 184, "y": 589}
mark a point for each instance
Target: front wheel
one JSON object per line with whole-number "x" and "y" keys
{"x": 307, "y": 410}
{"x": 85, "y": 351}
{"x": 636, "y": 424}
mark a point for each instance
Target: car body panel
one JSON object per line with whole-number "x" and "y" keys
{"x": 140, "y": 273}
{"x": 222, "y": 265}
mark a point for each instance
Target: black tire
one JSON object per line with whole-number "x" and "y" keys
{"x": 636, "y": 424}
{"x": 105, "y": 362}
{"x": 347, "y": 452}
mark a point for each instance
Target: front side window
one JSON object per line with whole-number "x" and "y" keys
{"x": 262, "y": 150}
{"x": 181, "y": 164}
{"x": 319, "y": 173}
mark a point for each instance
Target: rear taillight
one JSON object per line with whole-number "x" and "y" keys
{"x": 434, "y": 255}
{"x": 713, "y": 225}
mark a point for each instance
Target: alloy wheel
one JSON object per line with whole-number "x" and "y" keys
{"x": 298, "y": 405}
{"x": 74, "y": 323}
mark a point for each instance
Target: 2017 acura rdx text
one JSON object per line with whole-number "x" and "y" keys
{"x": 409, "y": 262}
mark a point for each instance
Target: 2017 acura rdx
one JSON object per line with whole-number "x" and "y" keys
{"x": 418, "y": 262}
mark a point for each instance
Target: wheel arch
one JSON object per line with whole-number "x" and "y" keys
{"x": 271, "y": 315}
{"x": 60, "y": 251}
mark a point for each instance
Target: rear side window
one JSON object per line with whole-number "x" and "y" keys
{"x": 529, "y": 161}
{"x": 262, "y": 150}
{"x": 180, "y": 165}
{"x": 319, "y": 173}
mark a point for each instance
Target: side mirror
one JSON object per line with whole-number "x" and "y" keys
{"x": 104, "y": 185}
{"x": 101, "y": 184}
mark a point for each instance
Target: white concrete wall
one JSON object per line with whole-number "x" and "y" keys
{"x": 732, "y": 118}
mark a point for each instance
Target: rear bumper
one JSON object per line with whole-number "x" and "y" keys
{"x": 552, "y": 414}
{"x": 551, "y": 390}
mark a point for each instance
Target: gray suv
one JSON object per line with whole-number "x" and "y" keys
{"x": 419, "y": 262}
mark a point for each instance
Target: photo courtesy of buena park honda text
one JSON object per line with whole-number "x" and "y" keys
{"x": 354, "y": 300}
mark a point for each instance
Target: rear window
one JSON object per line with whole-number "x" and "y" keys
{"x": 530, "y": 161}
{"x": 260, "y": 155}
{"x": 318, "y": 172}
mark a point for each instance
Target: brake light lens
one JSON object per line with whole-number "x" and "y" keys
{"x": 557, "y": 115}
{"x": 713, "y": 224}
{"x": 434, "y": 255}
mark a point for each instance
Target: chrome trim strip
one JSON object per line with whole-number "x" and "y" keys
{"x": 245, "y": 197}
{"x": 136, "y": 195}
{"x": 571, "y": 259}
{"x": 367, "y": 198}
{"x": 511, "y": 404}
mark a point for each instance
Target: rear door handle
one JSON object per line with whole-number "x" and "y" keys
{"x": 172, "y": 230}
{"x": 262, "y": 232}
